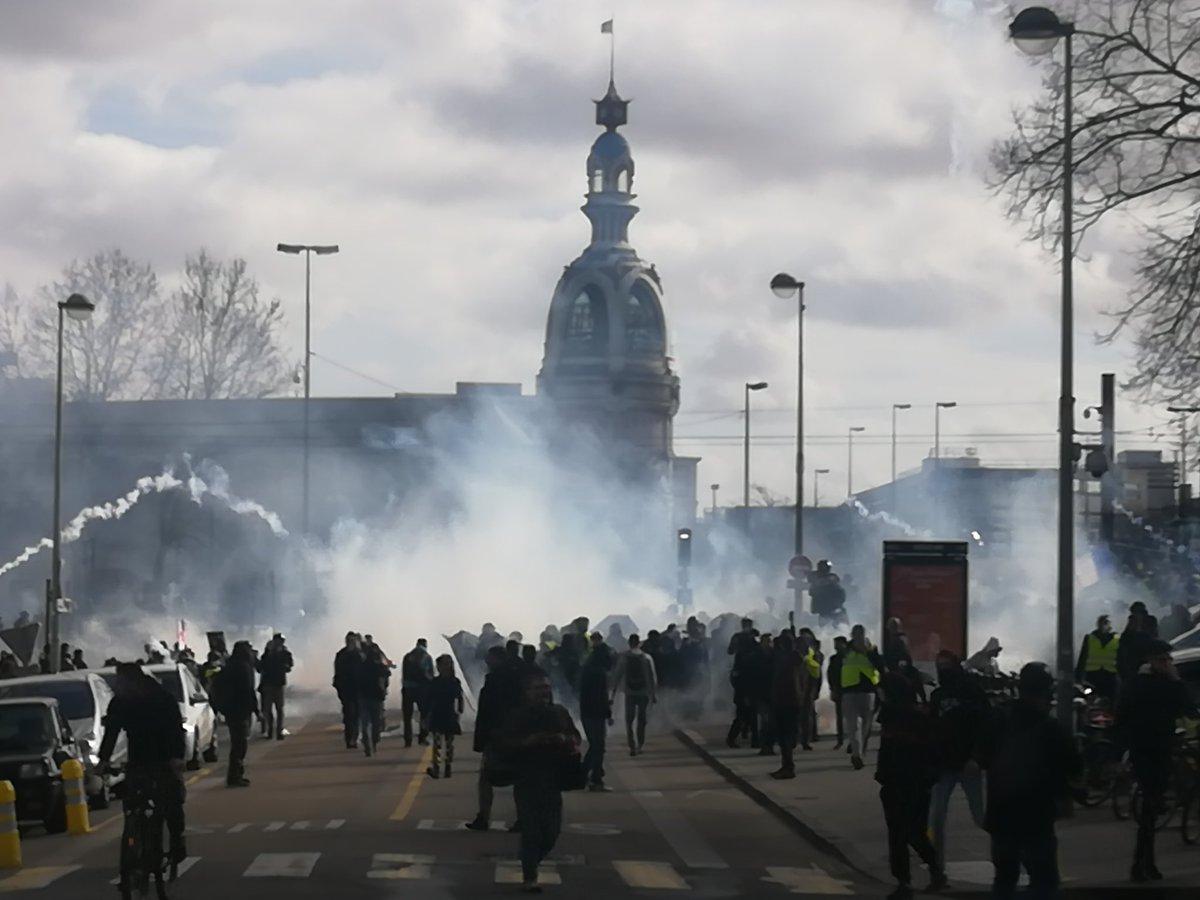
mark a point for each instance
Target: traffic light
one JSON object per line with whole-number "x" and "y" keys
{"x": 1096, "y": 462}
{"x": 683, "y": 544}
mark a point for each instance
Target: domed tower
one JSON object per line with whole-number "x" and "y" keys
{"x": 605, "y": 362}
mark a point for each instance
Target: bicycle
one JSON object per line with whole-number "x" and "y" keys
{"x": 145, "y": 847}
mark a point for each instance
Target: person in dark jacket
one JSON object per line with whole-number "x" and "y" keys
{"x": 537, "y": 740}
{"x": 345, "y": 669}
{"x": 416, "y": 672}
{"x": 237, "y": 701}
{"x": 789, "y": 682}
{"x": 742, "y": 646}
{"x": 595, "y": 710}
{"x": 1030, "y": 761}
{"x": 371, "y": 678}
{"x": 444, "y": 705}
{"x": 833, "y": 673}
{"x": 1149, "y": 707}
{"x": 905, "y": 769}
{"x": 896, "y": 655}
{"x": 497, "y": 698}
{"x": 273, "y": 670}
{"x": 960, "y": 708}
{"x": 1136, "y": 639}
{"x": 153, "y": 725}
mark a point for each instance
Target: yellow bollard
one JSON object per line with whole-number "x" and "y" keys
{"x": 10, "y": 837}
{"x": 76, "y": 797}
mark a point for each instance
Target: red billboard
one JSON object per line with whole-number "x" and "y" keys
{"x": 925, "y": 587}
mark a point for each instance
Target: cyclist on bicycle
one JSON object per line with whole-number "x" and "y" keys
{"x": 150, "y": 718}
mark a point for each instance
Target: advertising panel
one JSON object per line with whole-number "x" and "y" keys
{"x": 925, "y": 587}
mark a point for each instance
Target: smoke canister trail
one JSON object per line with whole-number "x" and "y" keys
{"x": 887, "y": 519}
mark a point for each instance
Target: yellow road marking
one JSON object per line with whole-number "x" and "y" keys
{"x": 333, "y": 727}
{"x": 202, "y": 773}
{"x": 653, "y": 875}
{"x": 34, "y": 878}
{"x": 414, "y": 786}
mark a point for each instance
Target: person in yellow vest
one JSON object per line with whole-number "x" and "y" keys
{"x": 1097, "y": 664}
{"x": 812, "y": 659}
{"x": 860, "y": 678}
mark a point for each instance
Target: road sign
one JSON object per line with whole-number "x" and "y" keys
{"x": 799, "y": 566}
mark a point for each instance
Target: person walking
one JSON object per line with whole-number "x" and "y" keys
{"x": 905, "y": 772}
{"x": 416, "y": 672}
{"x": 234, "y": 697}
{"x": 273, "y": 670}
{"x": 833, "y": 674}
{"x": 444, "y": 703}
{"x": 1097, "y": 665}
{"x": 789, "y": 684}
{"x": 540, "y": 744}
{"x": 638, "y": 677}
{"x": 497, "y": 698}
{"x": 860, "y": 677}
{"x": 960, "y": 709}
{"x": 742, "y": 646}
{"x": 595, "y": 711}
{"x": 1030, "y": 760}
{"x": 1149, "y": 707}
{"x": 810, "y": 654}
{"x": 346, "y": 663}
{"x": 371, "y": 679}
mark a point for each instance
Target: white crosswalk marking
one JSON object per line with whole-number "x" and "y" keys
{"x": 238, "y": 828}
{"x": 409, "y": 866}
{"x": 510, "y": 873}
{"x": 302, "y": 825}
{"x": 814, "y": 880}
{"x": 34, "y": 878}
{"x": 275, "y": 826}
{"x": 334, "y": 824}
{"x": 179, "y": 871}
{"x": 648, "y": 874}
{"x": 282, "y": 865}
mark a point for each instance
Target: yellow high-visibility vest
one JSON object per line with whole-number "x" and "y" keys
{"x": 856, "y": 665}
{"x": 814, "y": 665}
{"x": 1101, "y": 657}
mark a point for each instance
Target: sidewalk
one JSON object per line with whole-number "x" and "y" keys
{"x": 838, "y": 808}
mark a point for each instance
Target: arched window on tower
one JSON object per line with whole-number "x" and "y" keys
{"x": 623, "y": 181}
{"x": 587, "y": 324}
{"x": 643, "y": 322}
{"x": 596, "y": 183}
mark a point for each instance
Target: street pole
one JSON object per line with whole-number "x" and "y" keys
{"x": 798, "y": 531}
{"x": 715, "y": 488}
{"x": 1185, "y": 490}
{"x": 817, "y": 473}
{"x": 850, "y": 458}
{"x": 54, "y": 589}
{"x": 1108, "y": 442}
{"x": 307, "y": 377}
{"x": 895, "y": 408}
{"x": 746, "y": 457}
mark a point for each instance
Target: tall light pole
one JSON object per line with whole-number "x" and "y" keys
{"x": 308, "y": 250}
{"x": 895, "y": 408}
{"x": 714, "y": 488}
{"x": 937, "y": 425}
{"x": 1037, "y": 30}
{"x": 79, "y": 308}
{"x": 750, "y": 386}
{"x": 854, "y": 429}
{"x": 785, "y": 286}
{"x": 817, "y": 473}
{"x": 1183, "y": 457}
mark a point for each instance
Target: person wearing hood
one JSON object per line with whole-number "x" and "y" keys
{"x": 234, "y": 697}
{"x": 960, "y": 709}
{"x": 1097, "y": 663}
{"x": 1135, "y": 642}
{"x": 985, "y": 661}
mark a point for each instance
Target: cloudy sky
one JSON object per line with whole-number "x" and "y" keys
{"x": 441, "y": 143}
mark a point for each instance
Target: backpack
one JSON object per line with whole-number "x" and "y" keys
{"x": 412, "y": 669}
{"x": 218, "y": 690}
{"x": 637, "y": 674}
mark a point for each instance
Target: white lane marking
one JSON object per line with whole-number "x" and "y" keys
{"x": 814, "y": 880}
{"x": 410, "y": 866}
{"x": 510, "y": 873}
{"x": 275, "y": 826}
{"x": 334, "y": 824}
{"x": 238, "y": 828}
{"x": 180, "y": 870}
{"x": 976, "y": 871}
{"x": 302, "y": 825}
{"x": 456, "y": 825}
{"x": 651, "y": 875}
{"x": 282, "y": 865}
{"x": 594, "y": 829}
{"x": 672, "y": 824}
{"x": 35, "y": 877}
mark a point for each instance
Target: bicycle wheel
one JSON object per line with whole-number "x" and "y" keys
{"x": 1189, "y": 823}
{"x": 135, "y": 876}
{"x": 1101, "y": 768}
{"x": 156, "y": 855}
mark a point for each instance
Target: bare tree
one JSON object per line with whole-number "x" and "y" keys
{"x": 222, "y": 339}
{"x": 1137, "y": 149}
{"x": 12, "y": 331}
{"x": 105, "y": 357}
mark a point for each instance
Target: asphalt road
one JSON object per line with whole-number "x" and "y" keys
{"x": 323, "y": 821}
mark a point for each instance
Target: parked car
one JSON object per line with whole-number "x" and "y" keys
{"x": 199, "y": 719}
{"x": 35, "y": 741}
{"x": 83, "y": 699}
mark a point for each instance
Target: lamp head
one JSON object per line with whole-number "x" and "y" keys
{"x": 857, "y": 428}
{"x": 714, "y": 487}
{"x": 289, "y": 248}
{"x": 950, "y": 404}
{"x": 325, "y": 249}
{"x": 784, "y": 285}
{"x": 756, "y": 385}
{"x": 822, "y": 471}
{"x": 901, "y": 406}
{"x": 1036, "y": 30}
{"x": 78, "y": 307}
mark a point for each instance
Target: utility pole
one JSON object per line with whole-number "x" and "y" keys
{"x": 1108, "y": 441}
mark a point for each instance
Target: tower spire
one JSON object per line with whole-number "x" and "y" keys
{"x": 607, "y": 28}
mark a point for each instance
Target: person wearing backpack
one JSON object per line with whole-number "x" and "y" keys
{"x": 234, "y": 697}
{"x": 639, "y": 678}
{"x": 416, "y": 672}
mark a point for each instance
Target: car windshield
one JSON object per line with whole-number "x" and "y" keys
{"x": 25, "y": 729}
{"x": 74, "y": 697}
{"x": 170, "y": 680}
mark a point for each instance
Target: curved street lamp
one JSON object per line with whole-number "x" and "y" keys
{"x": 785, "y": 287}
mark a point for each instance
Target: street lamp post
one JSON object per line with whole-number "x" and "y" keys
{"x": 895, "y": 408}
{"x": 784, "y": 286}
{"x": 850, "y": 457}
{"x": 937, "y": 425}
{"x": 817, "y": 473}
{"x": 79, "y": 308}
{"x": 714, "y": 488}
{"x": 308, "y": 250}
{"x": 750, "y": 386}
{"x": 1037, "y": 30}
{"x": 1183, "y": 411}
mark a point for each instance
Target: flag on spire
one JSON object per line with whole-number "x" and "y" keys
{"x": 606, "y": 27}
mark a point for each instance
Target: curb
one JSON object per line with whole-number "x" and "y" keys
{"x": 839, "y": 850}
